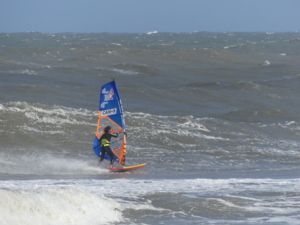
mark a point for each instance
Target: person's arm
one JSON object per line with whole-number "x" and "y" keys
{"x": 115, "y": 135}
{"x": 123, "y": 132}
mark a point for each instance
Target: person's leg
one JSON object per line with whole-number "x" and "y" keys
{"x": 111, "y": 155}
{"x": 102, "y": 154}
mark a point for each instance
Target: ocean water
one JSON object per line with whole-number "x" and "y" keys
{"x": 216, "y": 117}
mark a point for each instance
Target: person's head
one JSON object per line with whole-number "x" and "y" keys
{"x": 107, "y": 129}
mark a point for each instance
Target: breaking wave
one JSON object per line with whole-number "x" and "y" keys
{"x": 43, "y": 114}
{"x": 223, "y": 201}
{"x": 59, "y": 206}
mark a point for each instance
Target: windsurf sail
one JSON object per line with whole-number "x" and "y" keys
{"x": 110, "y": 113}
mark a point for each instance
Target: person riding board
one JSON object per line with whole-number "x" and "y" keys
{"x": 105, "y": 144}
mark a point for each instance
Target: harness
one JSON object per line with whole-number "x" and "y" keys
{"x": 105, "y": 142}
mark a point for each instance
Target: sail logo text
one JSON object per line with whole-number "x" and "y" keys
{"x": 109, "y": 112}
{"x": 108, "y": 95}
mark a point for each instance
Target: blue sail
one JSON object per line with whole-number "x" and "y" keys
{"x": 111, "y": 114}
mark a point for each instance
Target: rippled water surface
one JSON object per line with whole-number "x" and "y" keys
{"x": 214, "y": 115}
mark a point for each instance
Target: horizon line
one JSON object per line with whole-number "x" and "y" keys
{"x": 153, "y": 32}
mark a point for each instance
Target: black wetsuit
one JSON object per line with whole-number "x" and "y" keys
{"x": 105, "y": 146}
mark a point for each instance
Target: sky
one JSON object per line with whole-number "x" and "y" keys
{"x": 129, "y": 16}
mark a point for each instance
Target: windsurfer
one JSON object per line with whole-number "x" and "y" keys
{"x": 105, "y": 144}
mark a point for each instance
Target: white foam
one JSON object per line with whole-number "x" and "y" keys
{"x": 52, "y": 110}
{"x": 204, "y": 186}
{"x": 152, "y": 32}
{"x": 192, "y": 124}
{"x": 56, "y": 115}
{"x": 127, "y": 72}
{"x": 291, "y": 220}
{"x": 63, "y": 165}
{"x": 288, "y": 123}
{"x": 35, "y": 130}
{"x": 291, "y": 125}
{"x": 116, "y": 44}
{"x": 47, "y": 164}
{"x": 185, "y": 126}
{"x": 224, "y": 202}
{"x": 170, "y": 44}
{"x": 267, "y": 63}
{"x": 231, "y": 46}
{"x": 58, "y": 206}
{"x": 26, "y": 64}
{"x": 81, "y": 196}
{"x": 223, "y": 187}
{"x": 194, "y": 134}
{"x": 25, "y": 72}
{"x": 34, "y": 116}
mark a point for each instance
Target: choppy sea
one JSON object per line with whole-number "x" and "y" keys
{"x": 216, "y": 117}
